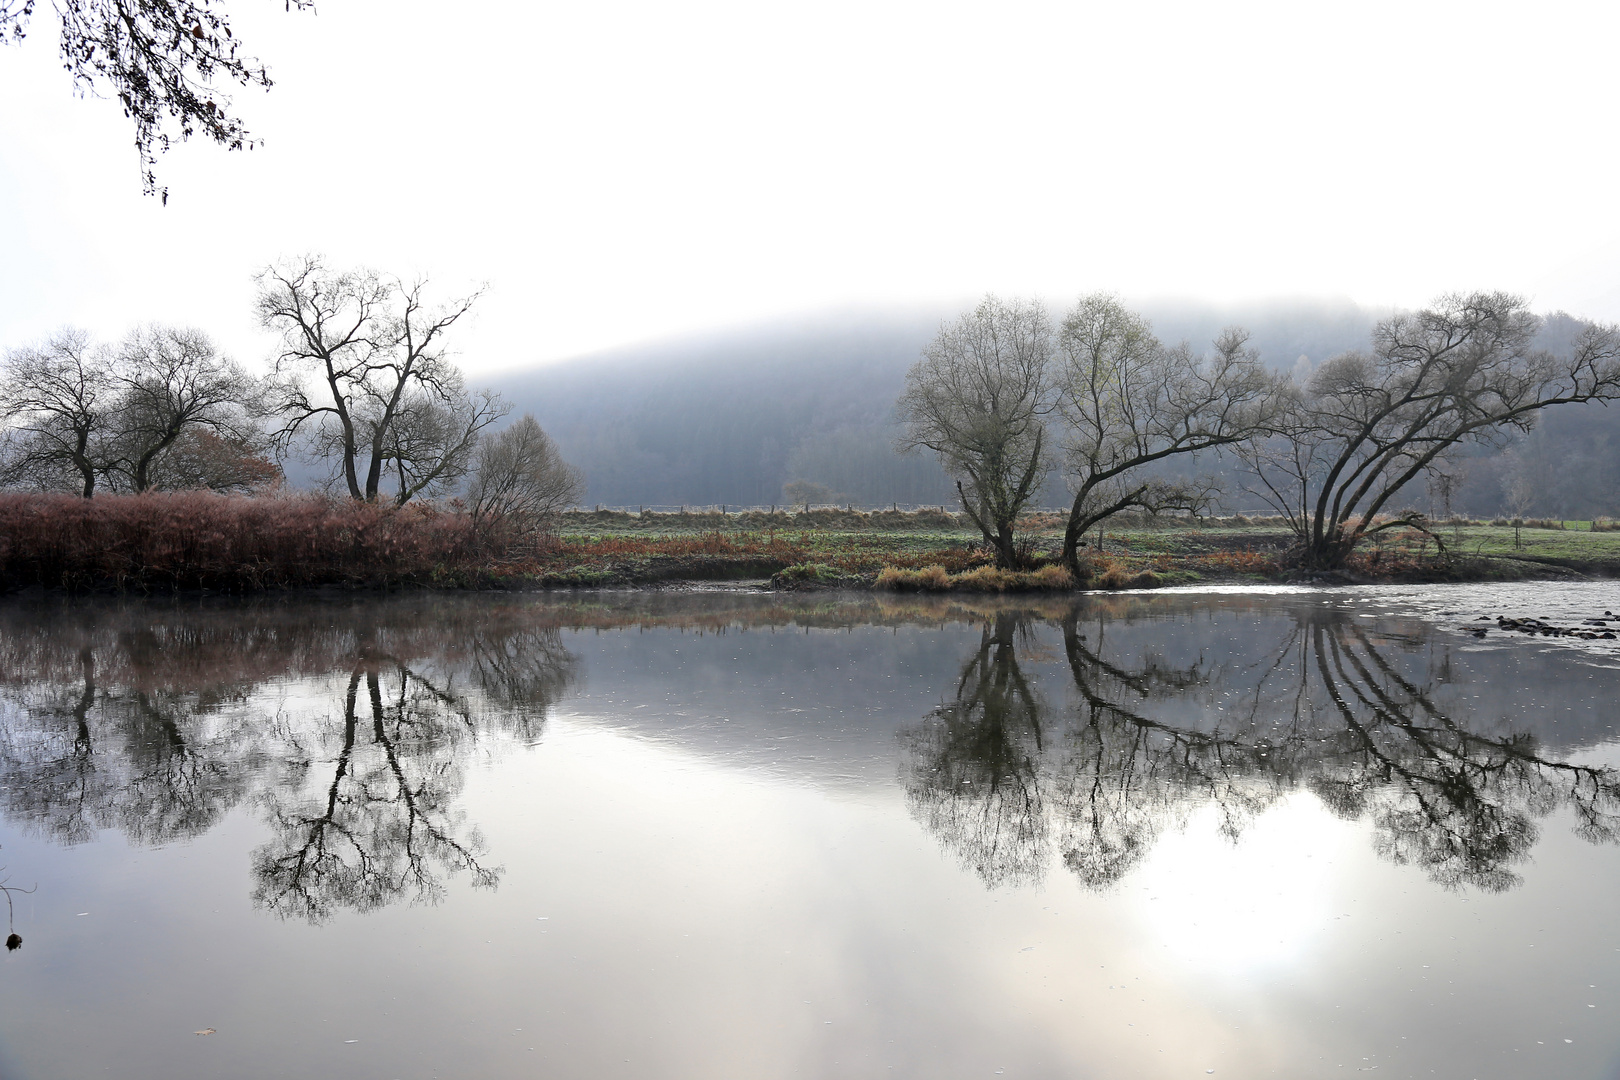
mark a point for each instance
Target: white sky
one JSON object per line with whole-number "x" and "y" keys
{"x": 620, "y": 171}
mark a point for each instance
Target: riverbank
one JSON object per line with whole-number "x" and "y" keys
{"x": 198, "y": 541}
{"x": 934, "y": 551}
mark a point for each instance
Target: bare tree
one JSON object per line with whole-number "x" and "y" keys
{"x": 1128, "y": 403}
{"x": 60, "y": 403}
{"x": 808, "y": 492}
{"x": 1366, "y": 425}
{"x": 520, "y": 481}
{"x": 362, "y": 353}
{"x": 174, "y": 380}
{"x": 978, "y": 398}
{"x": 433, "y": 438}
{"x": 160, "y": 58}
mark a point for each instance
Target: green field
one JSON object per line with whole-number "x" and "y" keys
{"x": 831, "y": 546}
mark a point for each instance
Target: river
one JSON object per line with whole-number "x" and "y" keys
{"x": 1242, "y": 832}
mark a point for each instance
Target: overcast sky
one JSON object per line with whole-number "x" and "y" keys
{"x": 626, "y": 171}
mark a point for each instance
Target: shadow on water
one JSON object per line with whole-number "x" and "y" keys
{"x": 1004, "y": 777}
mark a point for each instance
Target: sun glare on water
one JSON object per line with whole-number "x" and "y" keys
{"x": 1259, "y": 903}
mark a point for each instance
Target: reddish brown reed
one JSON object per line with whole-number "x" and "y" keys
{"x": 201, "y": 539}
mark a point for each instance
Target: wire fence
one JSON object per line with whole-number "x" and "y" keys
{"x": 730, "y": 509}
{"x": 787, "y": 508}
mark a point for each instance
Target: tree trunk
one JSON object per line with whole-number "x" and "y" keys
{"x": 348, "y": 470}
{"x": 1327, "y": 549}
{"x": 1073, "y": 529}
{"x": 143, "y": 464}
{"x": 374, "y": 474}
{"x": 1006, "y": 553}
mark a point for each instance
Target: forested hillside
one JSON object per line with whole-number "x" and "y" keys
{"x": 729, "y": 418}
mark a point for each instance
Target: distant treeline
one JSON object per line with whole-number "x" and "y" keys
{"x": 732, "y": 419}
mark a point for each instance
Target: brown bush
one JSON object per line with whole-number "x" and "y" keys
{"x": 1114, "y": 577}
{"x": 199, "y": 539}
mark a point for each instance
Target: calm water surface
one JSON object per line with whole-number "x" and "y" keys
{"x": 1272, "y": 833}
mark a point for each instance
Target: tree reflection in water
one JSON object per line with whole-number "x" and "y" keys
{"x": 157, "y": 727}
{"x": 975, "y": 766}
{"x": 1001, "y": 777}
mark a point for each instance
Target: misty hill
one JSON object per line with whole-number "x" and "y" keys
{"x": 730, "y": 417}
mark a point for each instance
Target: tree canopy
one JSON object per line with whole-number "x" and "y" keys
{"x": 162, "y": 59}
{"x": 1367, "y": 424}
{"x": 978, "y": 399}
{"x": 1128, "y": 403}
{"x": 363, "y": 379}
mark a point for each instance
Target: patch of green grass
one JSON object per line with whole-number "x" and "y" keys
{"x": 1581, "y": 545}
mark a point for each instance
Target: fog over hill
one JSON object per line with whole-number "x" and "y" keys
{"x": 728, "y": 418}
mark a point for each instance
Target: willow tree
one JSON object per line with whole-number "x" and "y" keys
{"x": 1128, "y": 403}
{"x": 1469, "y": 369}
{"x": 978, "y": 398}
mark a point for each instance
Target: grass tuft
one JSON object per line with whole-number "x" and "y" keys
{"x": 984, "y": 579}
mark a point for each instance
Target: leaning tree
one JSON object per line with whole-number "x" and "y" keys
{"x": 1365, "y": 425}
{"x": 1130, "y": 405}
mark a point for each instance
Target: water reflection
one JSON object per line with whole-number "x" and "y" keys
{"x": 1312, "y": 700}
{"x": 348, "y": 732}
{"x": 1070, "y": 732}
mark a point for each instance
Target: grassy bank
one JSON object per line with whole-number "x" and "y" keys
{"x": 940, "y": 552}
{"x": 197, "y": 540}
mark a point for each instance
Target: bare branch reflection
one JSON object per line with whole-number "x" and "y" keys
{"x": 973, "y": 770}
{"x": 1002, "y": 778}
{"x": 157, "y": 726}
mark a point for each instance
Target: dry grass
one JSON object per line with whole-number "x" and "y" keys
{"x": 199, "y": 539}
{"x": 901, "y": 579}
{"x": 985, "y": 579}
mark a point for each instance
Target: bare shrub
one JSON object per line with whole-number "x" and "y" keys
{"x": 520, "y": 483}
{"x": 807, "y": 493}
